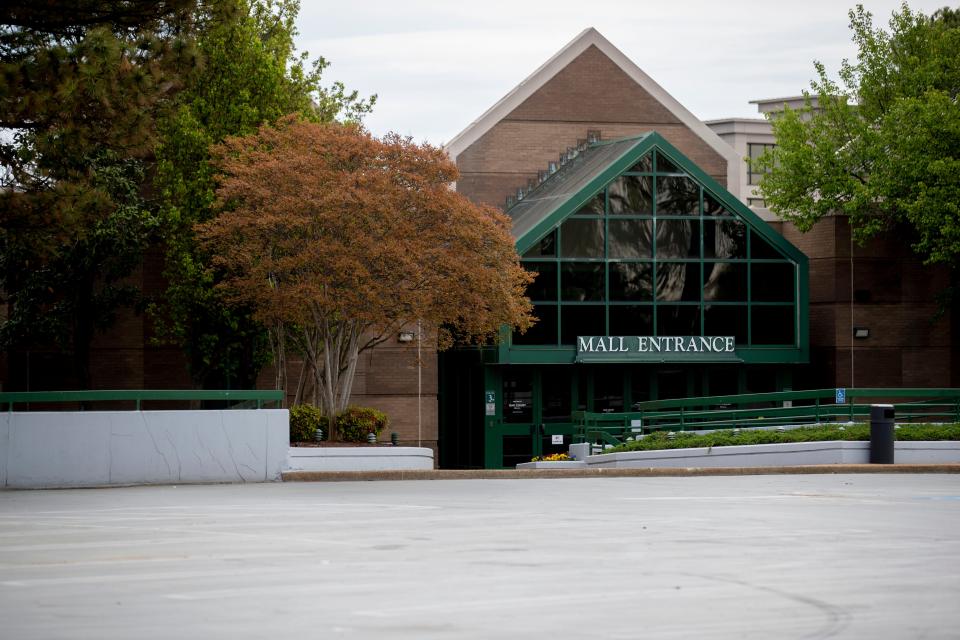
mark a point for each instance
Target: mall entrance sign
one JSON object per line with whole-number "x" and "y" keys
{"x": 656, "y": 349}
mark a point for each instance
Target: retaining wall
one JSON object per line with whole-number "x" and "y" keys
{"x": 359, "y": 458}
{"x": 95, "y": 448}
{"x": 787, "y": 454}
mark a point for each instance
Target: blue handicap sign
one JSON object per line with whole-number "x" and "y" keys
{"x": 841, "y": 396}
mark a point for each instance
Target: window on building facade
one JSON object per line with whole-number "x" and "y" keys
{"x": 656, "y": 254}
{"x": 755, "y": 151}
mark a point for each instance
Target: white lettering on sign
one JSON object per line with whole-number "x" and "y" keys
{"x": 656, "y": 344}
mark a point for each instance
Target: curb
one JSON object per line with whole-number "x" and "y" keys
{"x": 663, "y": 472}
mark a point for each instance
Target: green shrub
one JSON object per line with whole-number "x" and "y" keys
{"x": 354, "y": 423}
{"x": 305, "y": 419}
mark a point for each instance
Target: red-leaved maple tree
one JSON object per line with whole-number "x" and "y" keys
{"x": 337, "y": 239}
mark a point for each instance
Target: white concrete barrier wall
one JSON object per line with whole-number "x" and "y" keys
{"x": 94, "y": 448}
{"x": 775, "y": 455}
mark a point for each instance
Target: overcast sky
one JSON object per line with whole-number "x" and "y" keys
{"x": 437, "y": 65}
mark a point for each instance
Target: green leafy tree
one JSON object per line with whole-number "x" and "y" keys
{"x": 81, "y": 84}
{"x": 251, "y": 75}
{"x": 882, "y": 144}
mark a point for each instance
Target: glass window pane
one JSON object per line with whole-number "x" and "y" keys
{"x": 639, "y": 387}
{"x": 630, "y": 238}
{"x": 547, "y": 247}
{"x": 678, "y": 238}
{"x": 725, "y": 320}
{"x": 677, "y": 196}
{"x": 581, "y": 320}
{"x": 581, "y": 281}
{"x": 517, "y": 395}
{"x": 581, "y": 238}
{"x": 665, "y": 165}
{"x": 724, "y": 238}
{"x": 712, "y": 206}
{"x": 608, "y": 385}
{"x": 760, "y": 248}
{"x": 761, "y": 380}
{"x": 581, "y": 375}
{"x": 772, "y": 281}
{"x": 631, "y": 320}
{"x": 644, "y": 165}
{"x": 631, "y": 195}
{"x": 593, "y": 207}
{"x": 545, "y": 286}
{"x": 517, "y": 449}
{"x": 678, "y": 281}
{"x": 723, "y": 381}
{"x": 725, "y": 281}
{"x": 755, "y": 151}
{"x": 678, "y": 320}
{"x": 631, "y": 281}
{"x": 555, "y": 392}
{"x": 544, "y": 331}
{"x": 773, "y": 325}
{"x": 671, "y": 383}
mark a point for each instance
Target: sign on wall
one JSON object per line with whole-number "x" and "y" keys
{"x": 656, "y": 348}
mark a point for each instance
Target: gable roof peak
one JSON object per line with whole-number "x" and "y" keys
{"x": 584, "y": 40}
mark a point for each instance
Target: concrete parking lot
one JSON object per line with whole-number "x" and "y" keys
{"x": 812, "y": 556}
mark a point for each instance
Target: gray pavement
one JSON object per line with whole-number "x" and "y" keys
{"x": 811, "y": 556}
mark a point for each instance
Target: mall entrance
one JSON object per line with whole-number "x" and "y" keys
{"x": 533, "y": 404}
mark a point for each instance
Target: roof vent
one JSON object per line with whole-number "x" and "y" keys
{"x": 552, "y": 167}
{"x": 593, "y": 135}
{"x": 519, "y": 194}
{"x": 510, "y": 201}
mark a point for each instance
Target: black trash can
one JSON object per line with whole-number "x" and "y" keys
{"x": 881, "y": 434}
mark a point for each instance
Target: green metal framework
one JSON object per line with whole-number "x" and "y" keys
{"x": 765, "y": 410}
{"x": 251, "y": 398}
{"x": 647, "y": 156}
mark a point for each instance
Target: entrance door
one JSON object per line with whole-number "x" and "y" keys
{"x": 511, "y": 441}
{"x": 535, "y": 416}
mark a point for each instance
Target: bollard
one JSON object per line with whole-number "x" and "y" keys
{"x": 394, "y": 438}
{"x": 881, "y": 434}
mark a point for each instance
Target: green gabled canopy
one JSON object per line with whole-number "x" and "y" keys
{"x": 575, "y": 183}
{"x": 572, "y": 179}
{"x": 617, "y": 252}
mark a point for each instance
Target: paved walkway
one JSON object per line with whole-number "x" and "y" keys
{"x": 782, "y": 556}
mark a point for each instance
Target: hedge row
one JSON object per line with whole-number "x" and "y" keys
{"x": 680, "y": 440}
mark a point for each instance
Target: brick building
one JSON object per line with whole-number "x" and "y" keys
{"x": 793, "y": 302}
{"x": 862, "y": 316}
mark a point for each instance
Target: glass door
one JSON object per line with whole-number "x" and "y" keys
{"x": 534, "y": 418}
{"x": 513, "y": 441}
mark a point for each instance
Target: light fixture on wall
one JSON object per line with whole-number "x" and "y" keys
{"x": 406, "y": 336}
{"x": 861, "y": 333}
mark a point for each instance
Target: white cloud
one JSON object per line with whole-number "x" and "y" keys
{"x": 436, "y": 66}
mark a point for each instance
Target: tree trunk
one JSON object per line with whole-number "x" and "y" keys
{"x": 278, "y": 347}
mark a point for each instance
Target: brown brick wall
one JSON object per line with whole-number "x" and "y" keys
{"x": 894, "y": 297}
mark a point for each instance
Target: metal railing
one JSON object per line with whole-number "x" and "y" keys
{"x": 243, "y": 399}
{"x": 764, "y": 410}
